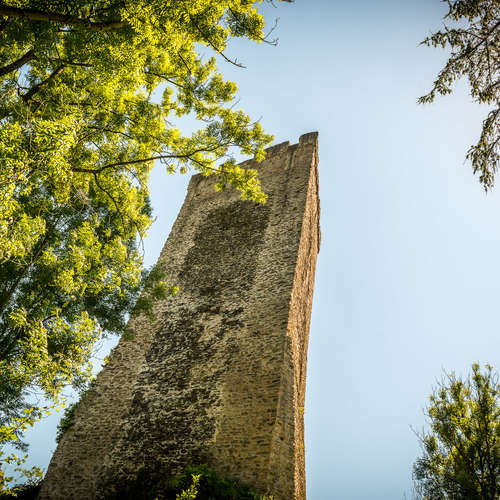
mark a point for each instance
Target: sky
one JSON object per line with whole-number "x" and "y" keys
{"x": 408, "y": 275}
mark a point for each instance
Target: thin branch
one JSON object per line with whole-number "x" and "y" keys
{"x": 151, "y": 158}
{"x": 26, "y": 97}
{"x": 185, "y": 63}
{"x": 67, "y": 62}
{"x": 111, "y": 131}
{"x": 220, "y": 52}
{"x": 117, "y": 206}
{"x": 39, "y": 15}
{"x": 264, "y": 38}
{"x": 164, "y": 77}
{"x": 468, "y": 51}
{"x": 130, "y": 162}
{"x": 491, "y": 87}
{"x": 30, "y": 55}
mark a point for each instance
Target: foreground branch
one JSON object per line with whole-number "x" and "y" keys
{"x": 17, "y": 64}
{"x": 26, "y": 97}
{"x": 144, "y": 160}
{"x": 77, "y": 22}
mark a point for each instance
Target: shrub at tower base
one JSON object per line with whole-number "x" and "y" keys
{"x": 195, "y": 482}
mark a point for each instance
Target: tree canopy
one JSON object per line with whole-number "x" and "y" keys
{"x": 89, "y": 95}
{"x": 473, "y": 36}
{"x": 461, "y": 452}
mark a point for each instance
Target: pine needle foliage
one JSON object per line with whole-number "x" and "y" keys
{"x": 472, "y": 33}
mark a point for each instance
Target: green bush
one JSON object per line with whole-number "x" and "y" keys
{"x": 211, "y": 486}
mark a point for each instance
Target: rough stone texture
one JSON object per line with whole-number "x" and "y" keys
{"x": 219, "y": 377}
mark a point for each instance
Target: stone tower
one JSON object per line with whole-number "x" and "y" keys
{"x": 219, "y": 376}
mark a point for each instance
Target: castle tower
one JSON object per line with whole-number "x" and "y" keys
{"x": 219, "y": 376}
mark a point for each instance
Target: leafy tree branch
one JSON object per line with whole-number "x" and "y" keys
{"x": 79, "y": 134}
{"x": 67, "y": 20}
{"x": 25, "y": 58}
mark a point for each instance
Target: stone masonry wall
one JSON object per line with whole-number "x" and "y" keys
{"x": 219, "y": 377}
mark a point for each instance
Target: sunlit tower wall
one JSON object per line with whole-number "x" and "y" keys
{"x": 219, "y": 376}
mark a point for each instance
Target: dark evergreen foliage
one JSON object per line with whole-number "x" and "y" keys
{"x": 472, "y": 32}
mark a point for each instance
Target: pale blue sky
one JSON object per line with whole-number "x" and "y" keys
{"x": 408, "y": 277}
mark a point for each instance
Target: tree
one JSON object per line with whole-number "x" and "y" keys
{"x": 461, "y": 453}
{"x": 474, "y": 40}
{"x": 89, "y": 91}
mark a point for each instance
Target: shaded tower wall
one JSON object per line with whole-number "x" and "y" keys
{"x": 219, "y": 376}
